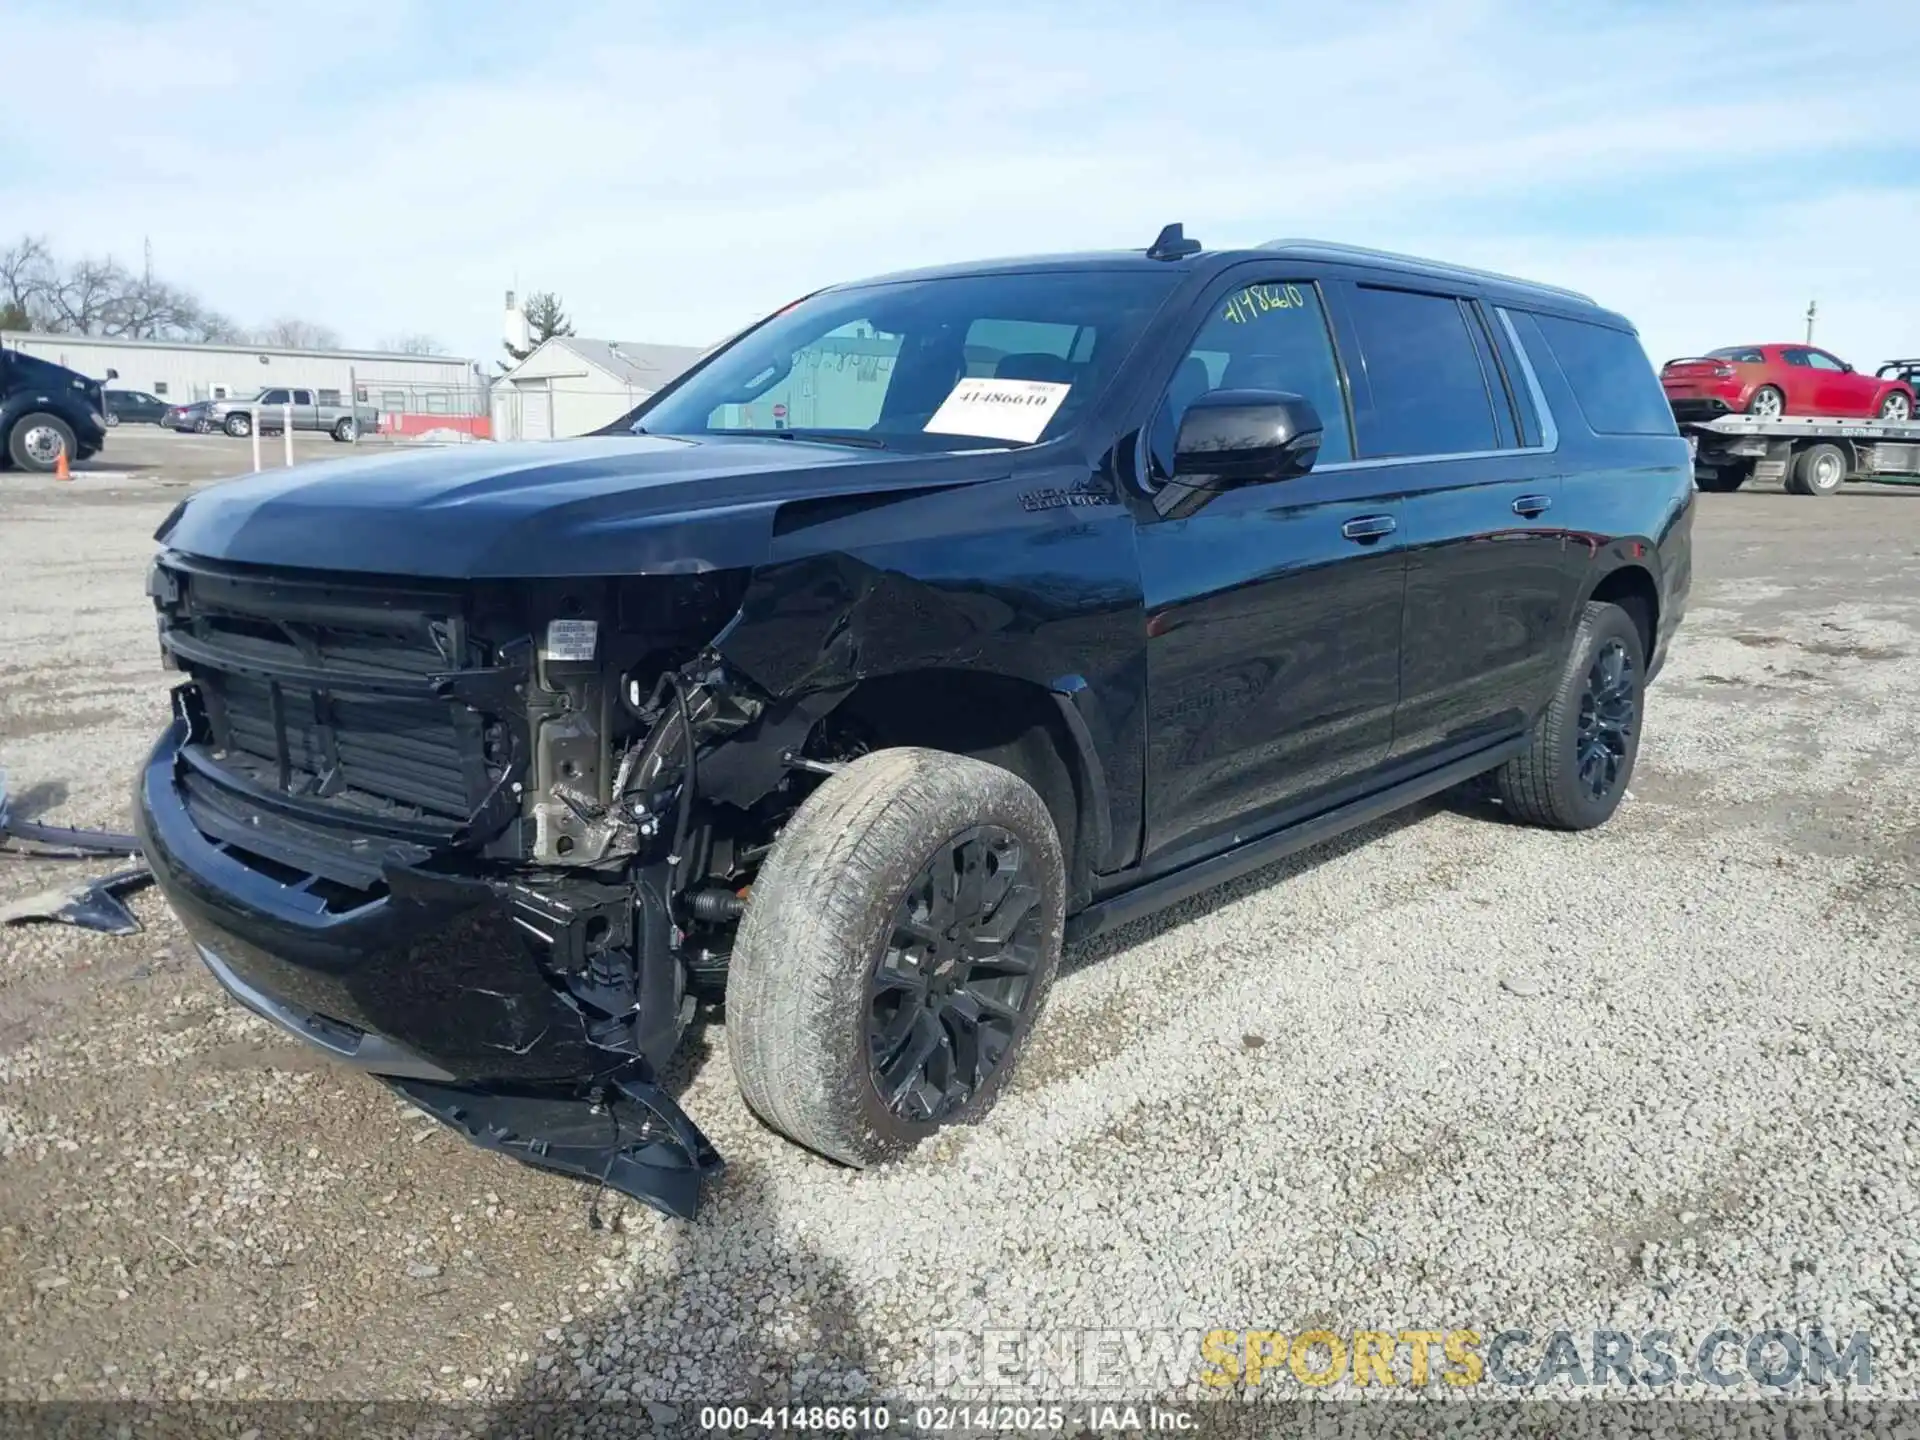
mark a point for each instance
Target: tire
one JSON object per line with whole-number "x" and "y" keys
{"x": 1548, "y": 783}
{"x": 1767, "y": 402}
{"x": 1723, "y": 480}
{"x": 1819, "y": 470}
{"x": 239, "y": 425}
{"x": 344, "y": 432}
{"x": 37, "y": 441}
{"x": 1896, "y": 407}
{"x": 815, "y": 962}
{"x": 112, "y": 420}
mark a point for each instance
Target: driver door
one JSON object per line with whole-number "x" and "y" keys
{"x": 1274, "y": 610}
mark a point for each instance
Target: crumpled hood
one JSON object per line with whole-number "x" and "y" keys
{"x": 615, "y": 505}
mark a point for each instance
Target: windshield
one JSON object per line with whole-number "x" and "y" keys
{"x": 963, "y": 361}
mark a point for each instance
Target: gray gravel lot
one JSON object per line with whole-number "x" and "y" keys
{"x": 1443, "y": 1073}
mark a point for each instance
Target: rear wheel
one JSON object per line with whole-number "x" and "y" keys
{"x": 897, "y": 947}
{"x": 1767, "y": 403}
{"x": 345, "y": 430}
{"x": 1580, "y": 759}
{"x": 1819, "y": 470}
{"x": 38, "y": 440}
{"x": 1896, "y": 406}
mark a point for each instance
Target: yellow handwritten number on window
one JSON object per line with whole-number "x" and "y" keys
{"x": 1249, "y": 304}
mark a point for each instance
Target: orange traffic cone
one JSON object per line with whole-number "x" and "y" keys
{"x": 60, "y": 471}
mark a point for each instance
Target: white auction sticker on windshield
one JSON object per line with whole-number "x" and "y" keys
{"x": 998, "y": 409}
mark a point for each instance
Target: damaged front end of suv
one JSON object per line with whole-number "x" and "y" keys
{"x": 487, "y": 840}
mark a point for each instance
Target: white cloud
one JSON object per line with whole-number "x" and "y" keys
{"x": 671, "y": 176}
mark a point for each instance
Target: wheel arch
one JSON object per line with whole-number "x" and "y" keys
{"x": 1631, "y": 585}
{"x": 1036, "y": 731}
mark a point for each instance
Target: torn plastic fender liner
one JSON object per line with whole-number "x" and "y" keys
{"x": 633, "y": 1137}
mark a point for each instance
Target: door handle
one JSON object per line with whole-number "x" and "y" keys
{"x": 1368, "y": 527}
{"x": 1532, "y": 504}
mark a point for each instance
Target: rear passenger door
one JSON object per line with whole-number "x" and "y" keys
{"x": 305, "y": 416}
{"x": 1443, "y": 415}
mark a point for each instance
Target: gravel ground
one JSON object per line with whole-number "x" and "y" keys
{"x": 1443, "y": 1073}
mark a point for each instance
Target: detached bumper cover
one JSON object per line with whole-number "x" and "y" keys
{"x": 437, "y": 991}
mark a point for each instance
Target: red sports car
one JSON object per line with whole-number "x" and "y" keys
{"x": 1769, "y": 380}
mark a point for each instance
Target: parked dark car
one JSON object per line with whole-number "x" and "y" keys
{"x": 933, "y": 621}
{"x": 192, "y": 418}
{"x": 47, "y": 411}
{"x": 134, "y": 406}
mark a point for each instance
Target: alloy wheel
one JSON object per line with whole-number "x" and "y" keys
{"x": 950, "y": 994}
{"x": 1768, "y": 405}
{"x": 43, "y": 444}
{"x": 1609, "y": 710}
{"x": 1895, "y": 407}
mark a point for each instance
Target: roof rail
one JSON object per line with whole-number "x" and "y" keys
{"x": 1335, "y": 251}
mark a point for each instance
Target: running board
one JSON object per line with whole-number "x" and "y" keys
{"x": 1154, "y": 895}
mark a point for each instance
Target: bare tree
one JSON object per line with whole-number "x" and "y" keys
{"x": 102, "y": 297}
{"x": 294, "y": 334}
{"x": 26, "y": 273}
{"x": 413, "y": 344}
{"x": 210, "y": 327}
{"x": 86, "y": 295}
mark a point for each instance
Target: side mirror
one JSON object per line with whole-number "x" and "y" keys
{"x": 1243, "y": 437}
{"x": 113, "y": 374}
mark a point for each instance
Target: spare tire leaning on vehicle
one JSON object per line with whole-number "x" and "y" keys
{"x": 897, "y": 948}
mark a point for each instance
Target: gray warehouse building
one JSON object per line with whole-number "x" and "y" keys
{"x": 413, "y": 393}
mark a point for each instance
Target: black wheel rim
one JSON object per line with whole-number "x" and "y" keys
{"x": 949, "y": 994}
{"x": 1609, "y": 710}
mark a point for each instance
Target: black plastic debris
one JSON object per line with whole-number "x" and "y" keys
{"x": 632, "y": 1136}
{"x": 91, "y": 904}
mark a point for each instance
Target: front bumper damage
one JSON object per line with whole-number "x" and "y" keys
{"x": 471, "y": 998}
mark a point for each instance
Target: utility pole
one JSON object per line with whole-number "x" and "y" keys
{"x": 1812, "y": 307}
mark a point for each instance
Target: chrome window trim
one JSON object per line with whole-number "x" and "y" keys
{"x": 1549, "y": 429}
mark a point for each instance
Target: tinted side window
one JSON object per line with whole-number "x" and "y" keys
{"x": 1426, "y": 393}
{"x": 1271, "y": 335}
{"x": 275, "y": 397}
{"x": 1820, "y": 360}
{"x": 1798, "y": 358}
{"x": 1611, "y": 377}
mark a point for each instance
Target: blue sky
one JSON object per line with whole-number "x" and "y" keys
{"x": 675, "y": 170}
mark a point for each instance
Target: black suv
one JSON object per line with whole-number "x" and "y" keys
{"x": 47, "y": 411}
{"x": 933, "y": 621}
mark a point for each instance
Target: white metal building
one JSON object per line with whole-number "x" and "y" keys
{"x": 440, "y": 386}
{"x": 571, "y": 386}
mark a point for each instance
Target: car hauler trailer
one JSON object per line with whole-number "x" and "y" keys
{"x": 1810, "y": 454}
